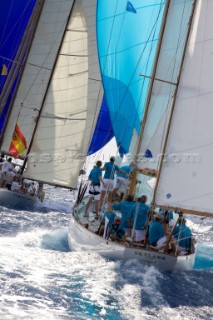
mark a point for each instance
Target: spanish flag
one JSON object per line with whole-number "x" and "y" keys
{"x": 18, "y": 144}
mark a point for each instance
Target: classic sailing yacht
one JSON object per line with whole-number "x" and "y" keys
{"x": 18, "y": 32}
{"x": 176, "y": 129}
{"x": 59, "y": 95}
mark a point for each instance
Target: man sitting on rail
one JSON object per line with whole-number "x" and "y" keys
{"x": 159, "y": 237}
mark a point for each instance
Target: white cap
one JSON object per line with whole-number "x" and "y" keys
{"x": 159, "y": 215}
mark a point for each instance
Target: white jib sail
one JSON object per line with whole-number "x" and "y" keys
{"x": 71, "y": 105}
{"x": 38, "y": 68}
{"x": 168, "y": 67}
{"x": 187, "y": 175}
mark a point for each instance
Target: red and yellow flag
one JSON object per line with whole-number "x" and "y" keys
{"x": 18, "y": 143}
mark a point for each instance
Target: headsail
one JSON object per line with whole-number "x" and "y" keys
{"x": 127, "y": 44}
{"x": 71, "y": 106}
{"x": 38, "y": 68}
{"x": 186, "y": 176}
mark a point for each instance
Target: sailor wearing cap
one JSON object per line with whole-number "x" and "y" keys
{"x": 159, "y": 232}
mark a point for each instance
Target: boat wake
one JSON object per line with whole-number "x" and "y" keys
{"x": 204, "y": 257}
{"x": 41, "y": 279}
{"x": 56, "y": 240}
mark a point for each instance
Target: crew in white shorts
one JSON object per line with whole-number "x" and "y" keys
{"x": 110, "y": 168}
{"x": 95, "y": 177}
{"x": 122, "y": 181}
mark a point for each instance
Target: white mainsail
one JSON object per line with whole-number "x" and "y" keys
{"x": 186, "y": 176}
{"x": 168, "y": 67}
{"x": 71, "y": 105}
{"x": 38, "y": 68}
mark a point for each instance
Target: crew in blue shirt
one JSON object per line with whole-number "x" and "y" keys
{"x": 183, "y": 234}
{"x": 142, "y": 211}
{"x": 116, "y": 231}
{"x": 158, "y": 232}
{"x": 95, "y": 177}
{"x": 110, "y": 215}
{"x": 140, "y": 219}
{"x": 127, "y": 209}
{"x": 110, "y": 168}
{"x": 156, "y": 229}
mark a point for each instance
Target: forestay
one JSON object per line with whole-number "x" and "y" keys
{"x": 168, "y": 67}
{"x": 71, "y": 105}
{"x": 186, "y": 176}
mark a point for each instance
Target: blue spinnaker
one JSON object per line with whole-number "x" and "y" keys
{"x": 14, "y": 18}
{"x": 127, "y": 46}
{"x": 103, "y": 132}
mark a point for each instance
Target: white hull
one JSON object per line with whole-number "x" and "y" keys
{"x": 17, "y": 200}
{"x": 81, "y": 239}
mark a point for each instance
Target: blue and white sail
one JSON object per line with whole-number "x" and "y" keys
{"x": 103, "y": 131}
{"x": 127, "y": 40}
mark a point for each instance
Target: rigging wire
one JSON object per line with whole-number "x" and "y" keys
{"x": 155, "y": 134}
{"x": 118, "y": 43}
{"x": 14, "y": 27}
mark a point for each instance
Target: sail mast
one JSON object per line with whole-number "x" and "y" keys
{"x": 48, "y": 84}
{"x": 20, "y": 60}
{"x": 173, "y": 105}
{"x": 163, "y": 25}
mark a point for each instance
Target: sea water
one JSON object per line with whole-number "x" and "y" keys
{"x": 41, "y": 279}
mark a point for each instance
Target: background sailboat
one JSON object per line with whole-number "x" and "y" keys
{"x": 60, "y": 94}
